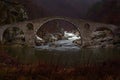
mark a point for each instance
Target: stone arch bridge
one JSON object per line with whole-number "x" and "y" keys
{"x": 86, "y": 28}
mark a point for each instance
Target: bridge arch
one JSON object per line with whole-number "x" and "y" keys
{"x": 17, "y": 31}
{"x": 68, "y": 20}
{"x": 45, "y": 20}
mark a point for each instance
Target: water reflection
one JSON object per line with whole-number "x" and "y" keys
{"x": 65, "y": 58}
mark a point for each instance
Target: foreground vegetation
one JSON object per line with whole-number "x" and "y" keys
{"x": 11, "y": 69}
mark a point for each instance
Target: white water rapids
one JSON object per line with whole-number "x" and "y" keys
{"x": 62, "y": 45}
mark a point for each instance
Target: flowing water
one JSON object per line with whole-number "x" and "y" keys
{"x": 61, "y": 45}
{"x": 63, "y": 52}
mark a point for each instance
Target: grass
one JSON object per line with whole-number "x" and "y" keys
{"x": 11, "y": 69}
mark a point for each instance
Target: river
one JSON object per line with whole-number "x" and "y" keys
{"x": 65, "y": 58}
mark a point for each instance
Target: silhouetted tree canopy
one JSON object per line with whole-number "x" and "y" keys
{"x": 107, "y": 11}
{"x": 11, "y": 11}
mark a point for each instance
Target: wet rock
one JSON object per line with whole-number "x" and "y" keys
{"x": 77, "y": 42}
{"x": 98, "y": 34}
{"x": 59, "y": 36}
{"x": 109, "y": 38}
{"x": 40, "y": 42}
{"x": 50, "y": 38}
{"x": 53, "y": 45}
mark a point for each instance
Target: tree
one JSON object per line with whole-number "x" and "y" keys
{"x": 11, "y": 11}
{"x": 106, "y": 11}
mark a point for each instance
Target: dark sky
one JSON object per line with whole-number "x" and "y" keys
{"x": 69, "y": 8}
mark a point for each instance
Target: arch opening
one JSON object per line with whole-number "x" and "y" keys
{"x": 103, "y": 37}
{"x": 58, "y": 33}
{"x": 104, "y": 32}
{"x": 13, "y": 35}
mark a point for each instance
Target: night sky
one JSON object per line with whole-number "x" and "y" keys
{"x": 106, "y": 11}
{"x": 74, "y": 8}
{"x": 69, "y": 8}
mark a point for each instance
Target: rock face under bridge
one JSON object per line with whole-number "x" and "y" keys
{"x": 93, "y": 35}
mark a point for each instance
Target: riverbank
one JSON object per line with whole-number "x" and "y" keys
{"x": 12, "y": 69}
{"x": 41, "y": 71}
